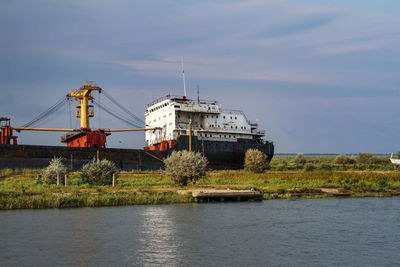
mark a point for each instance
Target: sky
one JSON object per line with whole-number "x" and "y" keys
{"x": 318, "y": 76}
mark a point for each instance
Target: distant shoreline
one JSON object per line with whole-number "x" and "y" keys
{"x": 327, "y": 154}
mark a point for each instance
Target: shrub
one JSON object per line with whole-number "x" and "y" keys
{"x": 56, "y": 167}
{"x": 98, "y": 172}
{"x": 343, "y": 159}
{"x": 255, "y": 161}
{"x": 300, "y": 159}
{"x": 6, "y": 172}
{"x": 309, "y": 167}
{"x": 367, "y": 158}
{"x": 185, "y": 167}
{"x": 324, "y": 166}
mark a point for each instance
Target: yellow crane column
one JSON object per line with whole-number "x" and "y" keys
{"x": 84, "y": 95}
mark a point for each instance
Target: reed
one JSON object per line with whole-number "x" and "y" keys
{"x": 139, "y": 187}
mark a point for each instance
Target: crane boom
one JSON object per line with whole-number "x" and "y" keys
{"x": 44, "y": 129}
{"x": 132, "y": 130}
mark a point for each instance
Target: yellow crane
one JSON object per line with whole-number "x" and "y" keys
{"x": 83, "y": 137}
{"x": 83, "y": 94}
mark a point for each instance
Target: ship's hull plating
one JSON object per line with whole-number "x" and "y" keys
{"x": 221, "y": 155}
{"x": 225, "y": 155}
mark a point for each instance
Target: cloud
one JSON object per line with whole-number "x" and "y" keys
{"x": 291, "y": 55}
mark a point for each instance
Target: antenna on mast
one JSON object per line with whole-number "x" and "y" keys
{"x": 183, "y": 77}
{"x": 198, "y": 94}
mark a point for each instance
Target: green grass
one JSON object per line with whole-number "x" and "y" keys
{"x": 286, "y": 163}
{"x": 20, "y": 188}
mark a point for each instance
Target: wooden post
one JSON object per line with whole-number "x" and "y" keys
{"x": 58, "y": 179}
{"x": 98, "y": 155}
{"x": 66, "y": 182}
{"x": 140, "y": 161}
{"x": 114, "y": 180}
{"x": 190, "y": 136}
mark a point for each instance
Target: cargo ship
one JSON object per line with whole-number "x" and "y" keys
{"x": 222, "y": 136}
{"x": 172, "y": 123}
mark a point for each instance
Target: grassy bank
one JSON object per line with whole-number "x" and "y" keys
{"x": 20, "y": 188}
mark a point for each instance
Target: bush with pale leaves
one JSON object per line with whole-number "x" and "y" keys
{"x": 56, "y": 167}
{"x": 185, "y": 167}
{"x": 255, "y": 161}
{"x": 300, "y": 159}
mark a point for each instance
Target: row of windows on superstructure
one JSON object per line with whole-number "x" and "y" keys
{"x": 212, "y": 126}
{"x": 216, "y": 116}
{"x": 158, "y": 107}
{"x": 216, "y": 135}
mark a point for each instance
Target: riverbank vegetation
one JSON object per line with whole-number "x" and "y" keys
{"x": 285, "y": 178}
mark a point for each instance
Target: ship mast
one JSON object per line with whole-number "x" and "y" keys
{"x": 183, "y": 77}
{"x": 83, "y": 110}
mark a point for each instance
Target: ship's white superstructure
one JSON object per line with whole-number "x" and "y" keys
{"x": 209, "y": 121}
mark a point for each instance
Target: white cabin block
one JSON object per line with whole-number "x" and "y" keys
{"x": 209, "y": 121}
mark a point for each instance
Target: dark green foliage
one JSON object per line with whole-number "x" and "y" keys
{"x": 344, "y": 159}
{"x": 255, "y": 161}
{"x": 99, "y": 172}
{"x": 309, "y": 167}
{"x": 6, "y": 172}
{"x": 368, "y": 158}
{"x": 185, "y": 167}
{"x": 281, "y": 191}
{"x": 324, "y": 166}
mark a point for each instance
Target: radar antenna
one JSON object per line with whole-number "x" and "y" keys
{"x": 183, "y": 77}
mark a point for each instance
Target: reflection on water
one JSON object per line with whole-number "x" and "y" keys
{"x": 82, "y": 243}
{"x": 350, "y": 232}
{"x": 159, "y": 244}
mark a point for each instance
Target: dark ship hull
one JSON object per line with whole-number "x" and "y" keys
{"x": 225, "y": 155}
{"x": 221, "y": 155}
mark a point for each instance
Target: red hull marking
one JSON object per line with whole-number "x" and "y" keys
{"x": 164, "y": 145}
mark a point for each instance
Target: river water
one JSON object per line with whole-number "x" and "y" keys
{"x": 318, "y": 232}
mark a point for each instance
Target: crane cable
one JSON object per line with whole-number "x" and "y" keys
{"x": 70, "y": 114}
{"x": 47, "y": 113}
{"x": 122, "y": 107}
{"x": 115, "y": 115}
